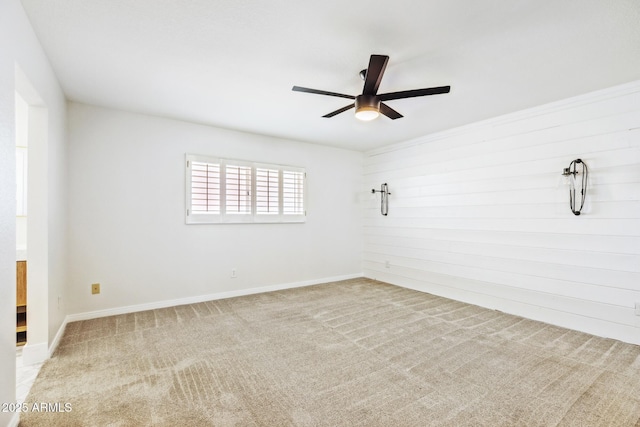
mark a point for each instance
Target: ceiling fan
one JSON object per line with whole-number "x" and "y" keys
{"x": 370, "y": 104}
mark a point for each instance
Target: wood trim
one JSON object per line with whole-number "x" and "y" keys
{"x": 21, "y": 283}
{"x": 21, "y": 302}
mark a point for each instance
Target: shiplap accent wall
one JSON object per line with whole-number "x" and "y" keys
{"x": 481, "y": 214}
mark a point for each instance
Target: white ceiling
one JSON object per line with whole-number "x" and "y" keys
{"x": 232, "y": 63}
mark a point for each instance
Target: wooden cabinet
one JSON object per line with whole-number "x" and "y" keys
{"x": 21, "y": 303}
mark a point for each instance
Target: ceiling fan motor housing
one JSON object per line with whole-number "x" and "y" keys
{"x": 367, "y": 103}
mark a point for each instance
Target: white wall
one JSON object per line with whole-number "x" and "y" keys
{"x": 476, "y": 214}
{"x": 127, "y": 204}
{"x": 19, "y": 47}
{"x": 22, "y": 140}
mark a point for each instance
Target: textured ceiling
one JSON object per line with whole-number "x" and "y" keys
{"x": 232, "y": 63}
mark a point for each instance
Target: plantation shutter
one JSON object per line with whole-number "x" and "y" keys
{"x": 293, "y": 192}
{"x": 205, "y": 188}
{"x": 267, "y": 191}
{"x": 238, "y": 189}
{"x": 220, "y": 191}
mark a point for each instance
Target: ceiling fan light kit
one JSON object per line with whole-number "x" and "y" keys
{"x": 369, "y": 105}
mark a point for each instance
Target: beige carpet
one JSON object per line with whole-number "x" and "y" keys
{"x": 352, "y": 353}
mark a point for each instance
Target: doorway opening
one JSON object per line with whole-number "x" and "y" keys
{"x": 32, "y": 314}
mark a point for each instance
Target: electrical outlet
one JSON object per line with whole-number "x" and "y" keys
{"x": 95, "y": 288}
{"x": 387, "y": 264}
{"x": 637, "y": 308}
{"x": 233, "y": 274}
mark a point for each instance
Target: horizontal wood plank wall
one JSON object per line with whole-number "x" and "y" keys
{"x": 481, "y": 214}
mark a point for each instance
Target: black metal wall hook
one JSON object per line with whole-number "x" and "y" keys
{"x": 384, "y": 198}
{"x": 572, "y": 172}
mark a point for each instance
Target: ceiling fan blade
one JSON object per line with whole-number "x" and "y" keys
{"x": 377, "y": 65}
{"x": 413, "y": 93}
{"x": 389, "y": 112}
{"x": 341, "y": 110}
{"x": 321, "y": 92}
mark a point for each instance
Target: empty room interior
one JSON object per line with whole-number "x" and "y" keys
{"x": 363, "y": 213}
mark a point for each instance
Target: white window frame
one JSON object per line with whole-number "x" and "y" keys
{"x": 254, "y": 216}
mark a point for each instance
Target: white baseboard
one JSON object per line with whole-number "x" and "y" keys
{"x": 58, "y": 337}
{"x": 201, "y": 298}
{"x": 514, "y": 301}
{"x": 37, "y": 353}
{"x": 39, "y": 356}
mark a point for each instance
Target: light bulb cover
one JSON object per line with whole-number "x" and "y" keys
{"x": 367, "y": 114}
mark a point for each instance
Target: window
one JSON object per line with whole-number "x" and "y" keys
{"x": 238, "y": 190}
{"x": 205, "y": 188}
{"x": 267, "y": 191}
{"x": 232, "y": 191}
{"x": 292, "y": 192}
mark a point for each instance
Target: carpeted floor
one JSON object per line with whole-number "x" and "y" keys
{"x": 352, "y": 353}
